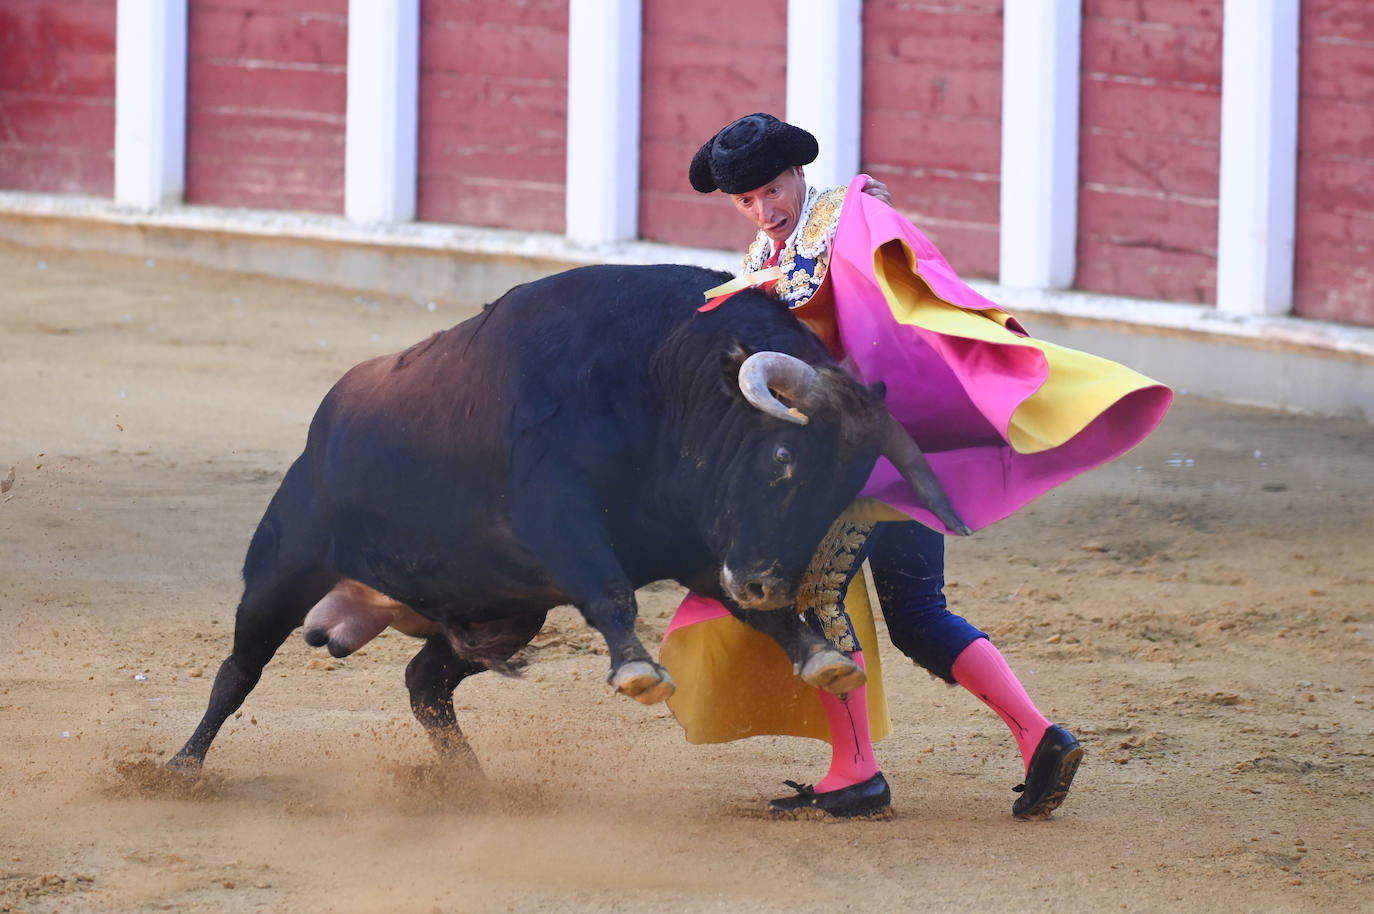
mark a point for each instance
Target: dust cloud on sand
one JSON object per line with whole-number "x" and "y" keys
{"x": 1199, "y": 612}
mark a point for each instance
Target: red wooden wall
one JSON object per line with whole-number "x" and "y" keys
{"x": 705, "y": 63}
{"x": 57, "y": 87}
{"x": 932, "y": 129}
{"x": 493, "y": 113}
{"x": 1334, "y": 257}
{"x": 1149, "y": 159}
{"x": 266, "y": 90}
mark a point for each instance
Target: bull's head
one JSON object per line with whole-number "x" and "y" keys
{"x": 801, "y": 472}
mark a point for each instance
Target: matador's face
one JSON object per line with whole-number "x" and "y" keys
{"x": 776, "y": 206}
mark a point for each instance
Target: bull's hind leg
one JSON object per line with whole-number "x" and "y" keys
{"x": 450, "y": 656}
{"x": 262, "y": 624}
{"x": 431, "y": 677}
{"x": 281, "y": 582}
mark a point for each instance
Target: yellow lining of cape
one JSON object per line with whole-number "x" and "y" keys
{"x": 1078, "y": 387}
{"x": 734, "y": 681}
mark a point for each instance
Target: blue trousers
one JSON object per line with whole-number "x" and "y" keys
{"x": 908, "y": 564}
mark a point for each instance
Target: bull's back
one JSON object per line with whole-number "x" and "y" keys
{"x": 438, "y": 400}
{"x": 555, "y": 330}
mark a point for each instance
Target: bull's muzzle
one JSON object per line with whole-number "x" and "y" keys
{"x": 761, "y": 591}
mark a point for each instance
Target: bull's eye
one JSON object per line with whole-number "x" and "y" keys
{"x": 782, "y": 455}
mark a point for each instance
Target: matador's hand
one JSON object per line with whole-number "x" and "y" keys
{"x": 876, "y": 188}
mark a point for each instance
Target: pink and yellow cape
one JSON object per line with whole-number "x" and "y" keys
{"x": 1001, "y": 416}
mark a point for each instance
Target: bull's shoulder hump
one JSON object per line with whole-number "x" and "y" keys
{"x": 410, "y": 353}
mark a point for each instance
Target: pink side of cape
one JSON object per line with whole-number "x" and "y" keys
{"x": 695, "y": 608}
{"x": 957, "y": 395}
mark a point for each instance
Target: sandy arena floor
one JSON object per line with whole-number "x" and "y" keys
{"x": 1200, "y": 612}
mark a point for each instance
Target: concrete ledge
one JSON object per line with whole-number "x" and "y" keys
{"x": 428, "y": 261}
{"x": 1280, "y": 362}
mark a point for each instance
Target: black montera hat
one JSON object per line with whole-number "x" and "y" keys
{"x": 749, "y": 153}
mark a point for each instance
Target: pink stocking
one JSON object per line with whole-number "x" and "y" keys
{"x": 851, "y": 749}
{"x": 983, "y": 670}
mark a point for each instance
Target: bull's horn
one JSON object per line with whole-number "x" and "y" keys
{"x": 764, "y": 372}
{"x": 906, "y": 456}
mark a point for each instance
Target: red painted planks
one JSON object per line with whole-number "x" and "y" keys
{"x": 1333, "y": 266}
{"x": 1148, "y": 219}
{"x": 525, "y": 13}
{"x": 1337, "y": 20}
{"x": 898, "y": 142}
{"x": 932, "y": 108}
{"x": 1124, "y": 107}
{"x": 493, "y": 113}
{"x": 496, "y": 50}
{"x": 1149, "y": 141}
{"x": 1150, "y": 161}
{"x": 266, "y": 95}
{"x": 1148, "y": 51}
{"x": 69, "y": 170}
{"x": 704, "y": 64}
{"x": 697, "y": 220}
{"x": 1146, "y": 271}
{"x": 318, "y": 93}
{"x": 1192, "y": 14}
{"x": 57, "y": 67}
{"x": 482, "y": 200}
{"x": 257, "y": 34}
{"x": 336, "y": 9}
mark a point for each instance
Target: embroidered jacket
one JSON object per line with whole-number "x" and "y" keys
{"x": 806, "y": 254}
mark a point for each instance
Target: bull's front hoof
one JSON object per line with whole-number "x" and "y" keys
{"x": 644, "y": 681}
{"x": 833, "y": 671}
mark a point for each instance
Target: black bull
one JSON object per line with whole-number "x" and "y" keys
{"x": 585, "y": 435}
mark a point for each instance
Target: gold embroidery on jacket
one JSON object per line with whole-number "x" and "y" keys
{"x": 813, "y": 240}
{"x": 822, "y": 586}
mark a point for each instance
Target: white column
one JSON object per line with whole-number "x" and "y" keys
{"x": 150, "y": 102}
{"x": 382, "y": 112}
{"x": 604, "y": 47}
{"x": 1040, "y": 87}
{"x": 1259, "y": 155}
{"x": 824, "y": 83}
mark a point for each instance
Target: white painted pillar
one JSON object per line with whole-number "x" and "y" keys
{"x": 150, "y": 102}
{"x": 824, "y": 83}
{"x": 1259, "y": 156}
{"x": 1040, "y": 88}
{"x": 605, "y": 43}
{"x": 380, "y": 139}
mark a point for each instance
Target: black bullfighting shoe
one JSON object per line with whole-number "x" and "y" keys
{"x": 1052, "y": 767}
{"x": 867, "y": 798}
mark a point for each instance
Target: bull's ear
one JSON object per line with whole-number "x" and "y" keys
{"x": 730, "y": 361}
{"x": 878, "y": 389}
